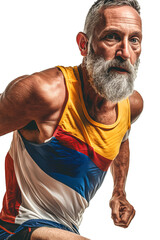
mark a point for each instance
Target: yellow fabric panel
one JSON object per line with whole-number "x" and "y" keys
{"x": 105, "y": 139}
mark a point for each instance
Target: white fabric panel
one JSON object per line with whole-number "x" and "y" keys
{"x": 43, "y": 197}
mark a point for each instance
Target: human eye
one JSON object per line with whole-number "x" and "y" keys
{"x": 135, "y": 40}
{"x": 111, "y": 37}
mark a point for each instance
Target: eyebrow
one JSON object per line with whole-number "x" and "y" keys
{"x": 137, "y": 33}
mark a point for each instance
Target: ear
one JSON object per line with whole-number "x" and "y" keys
{"x": 82, "y": 42}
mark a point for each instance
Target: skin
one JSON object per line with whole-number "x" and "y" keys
{"x": 45, "y": 233}
{"x": 118, "y": 35}
{"x": 34, "y": 104}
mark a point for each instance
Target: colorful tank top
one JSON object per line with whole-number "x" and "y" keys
{"x": 56, "y": 180}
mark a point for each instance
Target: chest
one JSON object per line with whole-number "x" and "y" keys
{"x": 108, "y": 117}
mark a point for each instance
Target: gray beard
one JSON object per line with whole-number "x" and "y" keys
{"x": 111, "y": 85}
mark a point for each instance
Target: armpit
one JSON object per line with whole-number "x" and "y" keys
{"x": 31, "y": 126}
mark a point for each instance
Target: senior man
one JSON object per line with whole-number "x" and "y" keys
{"x": 70, "y": 124}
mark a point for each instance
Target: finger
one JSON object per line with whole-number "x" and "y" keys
{"x": 115, "y": 206}
{"x": 126, "y": 218}
{"x": 129, "y": 219}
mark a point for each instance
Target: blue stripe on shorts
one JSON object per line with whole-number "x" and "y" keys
{"x": 3, "y": 234}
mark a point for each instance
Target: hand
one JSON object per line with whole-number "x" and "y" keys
{"x": 122, "y": 211}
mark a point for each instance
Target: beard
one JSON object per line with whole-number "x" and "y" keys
{"x": 111, "y": 85}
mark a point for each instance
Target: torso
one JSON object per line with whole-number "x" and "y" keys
{"x": 73, "y": 163}
{"x": 43, "y": 129}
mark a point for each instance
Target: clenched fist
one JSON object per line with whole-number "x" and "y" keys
{"x": 122, "y": 211}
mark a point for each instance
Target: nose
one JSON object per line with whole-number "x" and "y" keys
{"x": 123, "y": 50}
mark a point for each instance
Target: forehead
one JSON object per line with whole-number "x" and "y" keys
{"x": 121, "y": 17}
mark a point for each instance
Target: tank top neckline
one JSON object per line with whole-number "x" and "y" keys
{"x": 93, "y": 122}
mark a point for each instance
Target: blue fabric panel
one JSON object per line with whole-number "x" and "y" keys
{"x": 68, "y": 166}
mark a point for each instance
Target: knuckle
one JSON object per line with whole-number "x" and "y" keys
{"x": 125, "y": 221}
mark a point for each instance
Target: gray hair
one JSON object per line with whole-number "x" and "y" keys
{"x": 94, "y": 13}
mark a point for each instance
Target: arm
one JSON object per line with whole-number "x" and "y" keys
{"x": 122, "y": 211}
{"x": 35, "y": 97}
{"x": 11, "y": 105}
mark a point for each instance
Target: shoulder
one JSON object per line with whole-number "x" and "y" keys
{"x": 48, "y": 89}
{"x": 42, "y": 91}
{"x": 47, "y": 80}
{"x": 39, "y": 97}
{"x": 136, "y": 105}
{"x": 48, "y": 84}
{"x": 37, "y": 81}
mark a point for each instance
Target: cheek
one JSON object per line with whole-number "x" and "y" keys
{"x": 134, "y": 56}
{"x": 102, "y": 50}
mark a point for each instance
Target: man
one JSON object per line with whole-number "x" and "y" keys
{"x": 70, "y": 125}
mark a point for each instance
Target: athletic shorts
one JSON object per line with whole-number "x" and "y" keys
{"x": 10, "y": 231}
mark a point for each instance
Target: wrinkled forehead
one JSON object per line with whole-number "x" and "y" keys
{"x": 118, "y": 16}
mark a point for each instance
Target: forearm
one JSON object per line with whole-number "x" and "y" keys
{"x": 119, "y": 169}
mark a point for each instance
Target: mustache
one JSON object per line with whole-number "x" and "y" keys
{"x": 116, "y": 64}
{"x": 112, "y": 85}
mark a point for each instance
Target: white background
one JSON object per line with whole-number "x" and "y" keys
{"x": 35, "y": 35}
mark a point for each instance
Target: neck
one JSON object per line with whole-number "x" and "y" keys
{"x": 95, "y": 104}
{"x": 91, "y": 97}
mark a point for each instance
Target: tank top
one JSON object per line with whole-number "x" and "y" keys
{"x": 57, "y": 179}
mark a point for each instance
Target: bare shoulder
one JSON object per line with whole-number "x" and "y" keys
{"x": 40, "y": 87}
{"x": 52, "y": 77}
{"x": 32, "y": 97}
{"x": 48, "y": 83}
{"x": 136, "y": 105}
